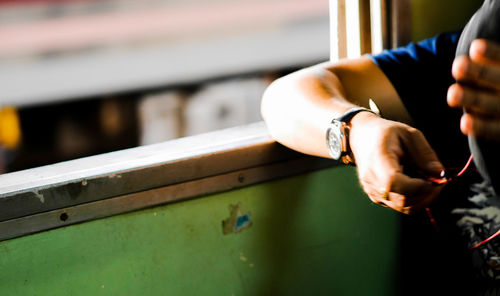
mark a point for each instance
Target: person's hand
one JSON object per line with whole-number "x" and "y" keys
{"x": 478, "y": 90}
{"x": 383, "y": 150}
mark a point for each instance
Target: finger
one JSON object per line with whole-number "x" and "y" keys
{"x": 376, "y": 183}
{"x": 421, "y": 152}
{"x": 454, "y": 97}
{"x": 413, "y": 193}
{"x": 410, "y": 205}
{"x": 408, "y": 186}
{"x": 477, "y": 101}
{"x": 466, "y": 124}
{"x": 424, "y": 202}
{"x": 375, "y": 189}
{"x": 480, "y": 127}
{"x": 400, "y": 187}
{"x": 402, "y": 193}
{"x": 482, "y": 50}
{"x": 466, "y": 71}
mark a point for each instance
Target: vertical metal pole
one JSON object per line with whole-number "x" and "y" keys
{"x": 334, "y": 41}
{"x": 365, "y": 26}
{"x": 377, "y": 28}
{"x": 353, "y": 28}
{"x": 401, "y": 22}
{"x": 338, "y": 44}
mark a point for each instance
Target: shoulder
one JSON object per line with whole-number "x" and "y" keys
{"x": 441, "y": 47}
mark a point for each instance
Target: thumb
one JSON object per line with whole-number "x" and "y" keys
{"x": 421, "y": 153}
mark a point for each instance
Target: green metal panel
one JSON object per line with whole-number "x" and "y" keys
{"x": 314, "y": 234}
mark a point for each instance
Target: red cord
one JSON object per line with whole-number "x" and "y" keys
{"x": 485, "y": 241}
{"x": 444, "y": 180}
{"x": 431, "y": 218}
{"x": 466, "y": 166}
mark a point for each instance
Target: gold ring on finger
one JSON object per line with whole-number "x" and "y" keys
{"x": 385, "y": 195}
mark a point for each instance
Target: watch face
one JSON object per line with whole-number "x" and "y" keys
{"x": 334, "y": 140}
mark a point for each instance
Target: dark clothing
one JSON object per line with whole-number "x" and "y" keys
{"x": 467, "y": 212}
{"x": 421, "y": 74}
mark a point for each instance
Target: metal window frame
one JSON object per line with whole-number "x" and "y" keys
{"x": 400, "y": 22}
{"x": 119, "y": 182}
{"x": 394, "y": 17}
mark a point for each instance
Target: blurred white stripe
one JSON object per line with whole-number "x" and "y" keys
{"x": 173, "y": 21}
{"x": 353, "y": 29}
{"x": 376, "y": 25}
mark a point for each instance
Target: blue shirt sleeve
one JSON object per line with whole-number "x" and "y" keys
{"x": 421, "y": 74}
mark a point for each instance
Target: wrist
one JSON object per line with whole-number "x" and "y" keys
{"x": 363, "y": 118}
{"x": 338, "y": 134}
{"x": 357, "y": 128}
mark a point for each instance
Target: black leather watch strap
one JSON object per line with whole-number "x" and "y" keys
{"x": 346, "y": 156}
{"x": 346, "y": 117}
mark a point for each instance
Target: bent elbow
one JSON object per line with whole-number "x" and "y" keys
{"x": 271, "y": 111}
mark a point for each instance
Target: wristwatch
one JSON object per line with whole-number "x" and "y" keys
{"x": 337, "y": 135}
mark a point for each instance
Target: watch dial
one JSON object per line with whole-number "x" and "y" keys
{"x": 334, "y": 141}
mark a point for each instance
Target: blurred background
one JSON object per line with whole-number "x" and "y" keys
{"x": 83, "y": 77}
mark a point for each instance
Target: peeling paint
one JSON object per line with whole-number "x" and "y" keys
{"x": 243, "y": 258}
{"x": 115, "y": 176}
{"x": 84, "y": 182}
{"x": 242, "y": 221}
{"x": 236, "y": 221}
{"x": 39, "y": 196}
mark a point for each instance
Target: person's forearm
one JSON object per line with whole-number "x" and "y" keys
{"x": 297, "y": 109}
